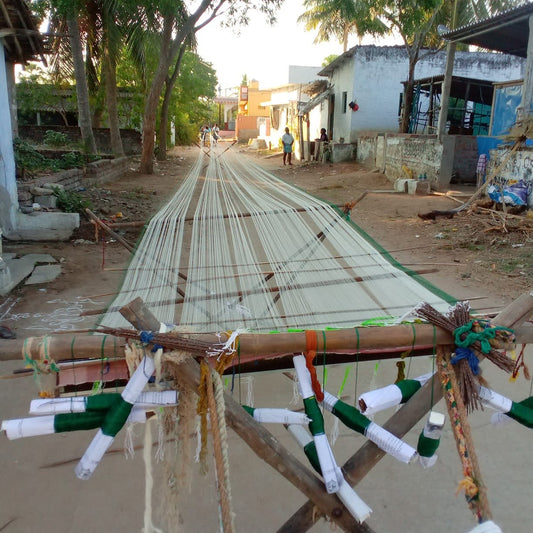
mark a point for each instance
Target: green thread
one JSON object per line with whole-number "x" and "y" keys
{"x": 102, "y": 402}
{"x": 483, "y": 337}
{"x": 249, "y": 410}
{"x": 78, "y": 421}
{"x": 312, "y": 410}
{"x": 427, "y": 447}
{"x": 345, "y": 379}
{"x": 116, "y": 417}
{"x": 351, "y": 417}
{"x": 522, "y": 414}
{"x": 312, "y": 455}
{"x": 408, "y": 387}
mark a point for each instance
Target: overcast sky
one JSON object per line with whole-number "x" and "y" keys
{"x": 263, "y": 52}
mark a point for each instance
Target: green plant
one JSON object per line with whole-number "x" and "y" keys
{"x": 26, "y": 157}
{"x": 70, "y": 201}
{"x": 55, "y": 138}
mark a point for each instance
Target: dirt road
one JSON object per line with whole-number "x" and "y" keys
{"x": 473, "y": 255}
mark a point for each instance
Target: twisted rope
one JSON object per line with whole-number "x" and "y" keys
{"x": 223, "y": 430}
{"x": 472, "y": 484}
{"x": 225, "y": 505}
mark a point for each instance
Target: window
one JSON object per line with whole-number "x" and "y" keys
{"x": 344, "y": 101}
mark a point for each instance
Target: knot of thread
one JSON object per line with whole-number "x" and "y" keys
{"x": 466, "y": 335}
{"x": 469, "y": 355}
{"x": 147, "y": 337}
{"x": 470, "y": 488}
{"x": 311, "y": 345}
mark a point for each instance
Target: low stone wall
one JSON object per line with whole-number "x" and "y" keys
{"x": 405, "y": 156}
{"x": 366, "y": 150}
{"x": 131, "y": 139}
{"x": 94, "y": 173}
{"x": 342, "y": 152}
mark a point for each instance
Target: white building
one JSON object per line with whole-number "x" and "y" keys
{"x": 370, "y": 78}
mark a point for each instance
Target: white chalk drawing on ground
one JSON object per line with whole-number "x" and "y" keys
{"x": 65, "y": 318}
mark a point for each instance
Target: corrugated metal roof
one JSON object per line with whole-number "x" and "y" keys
{"x": 18, "y": 31}
{"x": 307, "y": 106}
{"x": 507, "y": 32}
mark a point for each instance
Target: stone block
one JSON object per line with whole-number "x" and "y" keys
{"x": 46, "y": 201}
{"x": 423, "y": 187}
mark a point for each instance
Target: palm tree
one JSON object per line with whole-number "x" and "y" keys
{"x": 82, "y": 90}
{"x": 340, "y": 19}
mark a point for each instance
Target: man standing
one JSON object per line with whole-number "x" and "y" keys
{"x": 288, "y": 140}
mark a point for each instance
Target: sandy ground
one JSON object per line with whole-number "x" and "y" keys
{"x": 470, "y": 256}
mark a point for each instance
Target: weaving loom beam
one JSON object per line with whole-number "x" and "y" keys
{"x": 260, "y": 440}
{"x": 372, "y": 340}
{"x": 361, "y": 462}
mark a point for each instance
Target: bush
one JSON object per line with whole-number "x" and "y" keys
{"x": 29, "y": 160}
{"x": 27, "y": 157}
{"x": 55, "y": 138}
{"x": 70, "y": 201}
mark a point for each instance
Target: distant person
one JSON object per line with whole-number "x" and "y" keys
{"x": 288, "y": 141}
{"x": 216, "y": 133}
{"x": 323, "y": 136}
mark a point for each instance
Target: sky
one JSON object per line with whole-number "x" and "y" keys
{"x": 264, "y": 52}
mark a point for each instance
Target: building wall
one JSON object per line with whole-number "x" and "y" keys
{"x": 256, "y": 97}
{"x": 373, "y": 78}
{"x": 7, "y": 159}
{"x": 342, "y": 80}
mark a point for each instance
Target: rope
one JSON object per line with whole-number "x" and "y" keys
{"x": 311, "y": 346}
{"x": 224, "y": 497}
{"x": 221, "y": 413}
{"x": 472, "y": 484}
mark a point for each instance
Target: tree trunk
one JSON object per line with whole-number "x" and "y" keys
{"x": 82, "y": 91}
{"x": 408, "y": 97}
{"x": 112, "y": 110}
{"x": 169, "y": 49}
{"x": 152, "y": 100}
{"x": 163, "y": 122}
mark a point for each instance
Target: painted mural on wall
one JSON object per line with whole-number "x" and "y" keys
{"x": 519, "y": 169}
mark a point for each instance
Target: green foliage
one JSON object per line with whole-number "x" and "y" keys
{"x": 26, "y": 157}
{"x": 70, "y": 201}
{"x": 55, "y": 138}
{"x": 30, "y": 160}
{"x": 329, "y": 59}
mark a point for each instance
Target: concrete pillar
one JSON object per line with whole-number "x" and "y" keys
{"x": 446, "y": 86}
{"x": 526, "y": 104}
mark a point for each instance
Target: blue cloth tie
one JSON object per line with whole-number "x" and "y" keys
{"x": 469, "y": 355}
{"x": 147, "y": 337}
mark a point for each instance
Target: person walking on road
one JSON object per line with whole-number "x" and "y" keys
{"x": 288, "y": 141}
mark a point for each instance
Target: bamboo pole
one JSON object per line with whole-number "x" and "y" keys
{"x": 372, "y": 341}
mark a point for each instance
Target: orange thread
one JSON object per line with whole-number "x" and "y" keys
{"x": 311, "y": 342}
